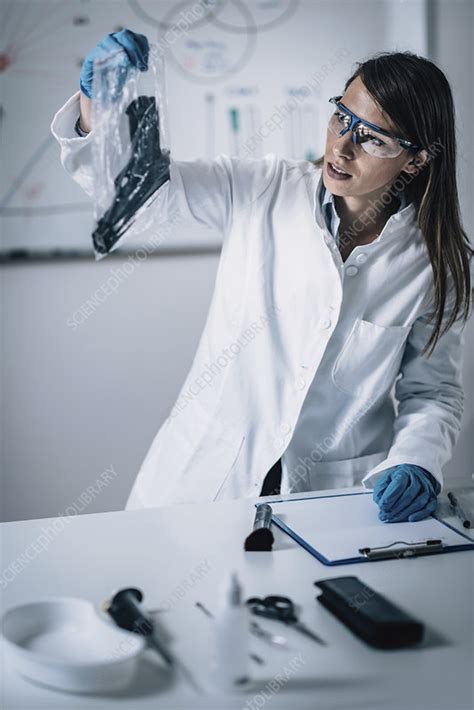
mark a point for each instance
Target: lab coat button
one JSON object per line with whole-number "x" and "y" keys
{"x": 300, "y": 383}
{"x": 352, "y": 270}
{"x": 361, "y": 258}
{"x": 326, "y": 323}
{"x": 285, "y": 428}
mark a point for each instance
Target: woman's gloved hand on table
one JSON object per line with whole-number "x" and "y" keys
{"x": 405, "y": 493}
{"x": 135, "y": 54}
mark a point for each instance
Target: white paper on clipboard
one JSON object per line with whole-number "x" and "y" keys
{"x": 338, "y": 526}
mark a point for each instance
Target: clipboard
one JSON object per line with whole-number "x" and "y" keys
{"x": 350, "y": 521}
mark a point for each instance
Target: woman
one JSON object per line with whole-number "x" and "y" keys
{"x": 335, "y": 278}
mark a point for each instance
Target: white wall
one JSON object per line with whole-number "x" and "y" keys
{"x": 77, "y": 401}
{"x": 453, "y": 47}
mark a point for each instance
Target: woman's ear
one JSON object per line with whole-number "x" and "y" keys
{"x": 413, "y": 165}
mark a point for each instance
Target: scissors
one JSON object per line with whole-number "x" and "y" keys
{"x": 280, "y": 609}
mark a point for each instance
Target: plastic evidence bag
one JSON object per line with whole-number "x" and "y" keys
{"x": 130, "y": 149}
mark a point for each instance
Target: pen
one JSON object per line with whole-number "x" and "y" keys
{"x": 459, "y": 511}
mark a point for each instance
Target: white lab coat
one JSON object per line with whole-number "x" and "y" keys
{"x": 286, "y": 310}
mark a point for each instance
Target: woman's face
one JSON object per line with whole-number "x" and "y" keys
{"x": 369, "y": 175}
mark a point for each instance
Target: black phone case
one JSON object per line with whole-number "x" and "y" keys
{"x": 371, "y": 616}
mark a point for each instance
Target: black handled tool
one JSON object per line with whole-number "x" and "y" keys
{"x": 261, "y": 538}
{"x": 124, "y": 608}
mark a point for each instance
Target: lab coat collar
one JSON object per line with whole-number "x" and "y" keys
{"x": 405, "y": 216}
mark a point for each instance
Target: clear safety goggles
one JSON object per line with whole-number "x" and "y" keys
{"x": 376, "y": 141}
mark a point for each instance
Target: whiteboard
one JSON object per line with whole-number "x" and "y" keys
{"x": 243, "y": 78}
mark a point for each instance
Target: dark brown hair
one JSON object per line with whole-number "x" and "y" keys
{"x": 417, "y": 97}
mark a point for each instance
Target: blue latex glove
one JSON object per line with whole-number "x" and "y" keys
{"x": 405, "y": 493}
{"x": 135, "y": 54}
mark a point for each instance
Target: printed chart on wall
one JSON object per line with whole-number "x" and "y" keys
{"x": 237, "y": 83}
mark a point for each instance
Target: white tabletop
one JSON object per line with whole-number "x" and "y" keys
{"x": 177, "y": 556}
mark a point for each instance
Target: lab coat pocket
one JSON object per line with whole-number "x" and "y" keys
{"x": 370, "y": 359}
{"x": 190, "y": 459}
{"x": 214, "y": 458}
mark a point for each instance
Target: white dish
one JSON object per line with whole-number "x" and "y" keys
{"x": 63, "y": 642}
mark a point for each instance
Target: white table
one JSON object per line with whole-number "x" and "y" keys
{"x": 178, "y": 555}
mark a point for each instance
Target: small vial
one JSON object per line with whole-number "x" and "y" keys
{"x": 230, "y": 638}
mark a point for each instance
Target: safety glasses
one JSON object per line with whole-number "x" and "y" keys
{"x": 376, "y": 141}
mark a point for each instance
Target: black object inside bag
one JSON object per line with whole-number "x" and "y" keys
{"x": 371, "y": 616}
{"x": 146, "y": 171}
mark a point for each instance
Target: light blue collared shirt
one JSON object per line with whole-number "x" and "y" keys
{"x": 326, "y": 200}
